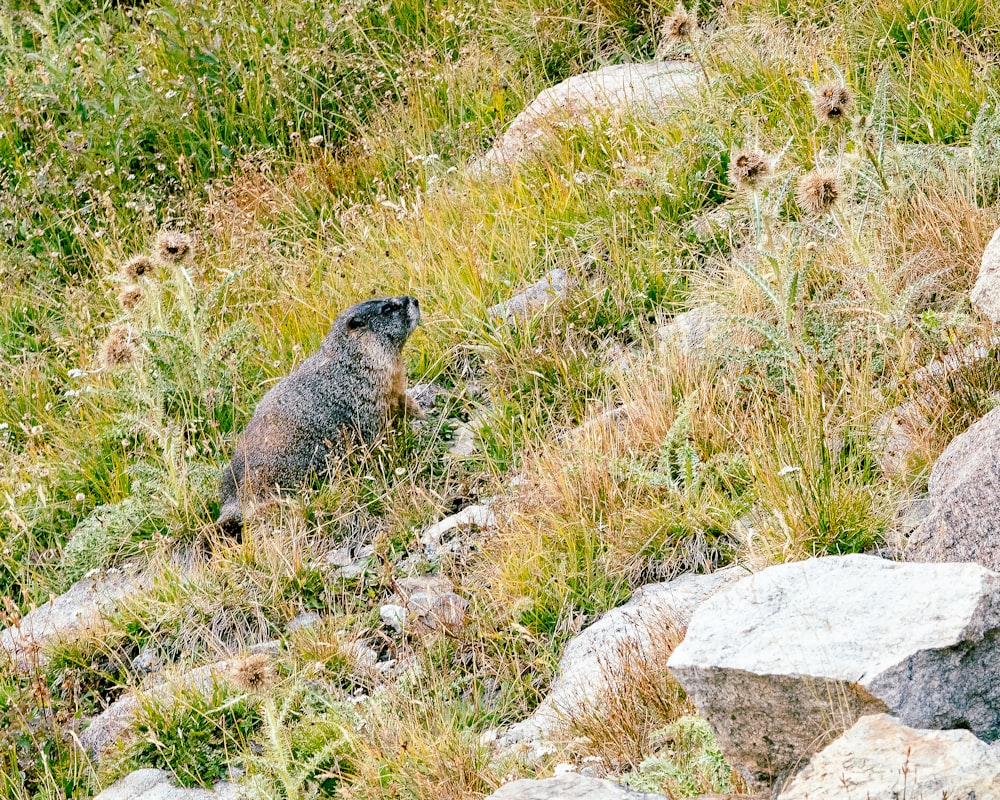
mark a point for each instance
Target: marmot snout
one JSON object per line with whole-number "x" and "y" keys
{"x": 343, "y": 394}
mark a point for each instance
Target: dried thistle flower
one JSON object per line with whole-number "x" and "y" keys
{"x": 119, "y": 348}
{"x": 679, "y": 26}
{"x": 140, "y": 266}
{"x": 747, "y": 168}
{"x": 130, "y": 296}
{"x": 172, "y": 247}
{"x": 818, "y": 191}
{"x": 831, "y": 103}
{"x": 254, "y": 673}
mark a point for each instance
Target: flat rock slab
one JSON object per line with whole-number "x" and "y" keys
{"x": 964, "y": 492}
{"x": 67, "y": 615}
{"x": 157, "y": 784}
{"x": 792, "y": 656}
{"x": 569, "y": 787}
{"x": 882, "y": 759}
{"x": 639, "y": 88}
{"x": 592, "y": 662}
{"x": 985, "y": 295}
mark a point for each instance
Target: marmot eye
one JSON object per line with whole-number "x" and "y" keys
{"x": 388, "y": 308}
{"x": 354, "y": 323}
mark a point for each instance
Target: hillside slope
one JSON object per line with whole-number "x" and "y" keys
{"x": 189, "y": 194}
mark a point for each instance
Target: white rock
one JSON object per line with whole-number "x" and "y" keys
{"x": 550, "y": 289}
{"x": 964, "y": 492}
{"x": 591, "y": 663}
{"x": 68, "y": 615}
{"x": 881, "y": 759}
{"x": 475, "y": 516}
{"x": 986, "y": 293}
{"x": 793, "y": 655}
{"x": 157, "y": 784}
{"x": 393, "y": 616}
{"x": 648, "y": 88}
{"x": 569, "y": 786}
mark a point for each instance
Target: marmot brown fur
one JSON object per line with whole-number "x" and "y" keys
{"x": 342, "y": 395}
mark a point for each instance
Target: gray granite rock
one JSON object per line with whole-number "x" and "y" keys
{"x": 68, "y": 615}
{"x": 591, "y": 663}
{"x": 964, "y": 492}
{"x": 879, "y": 758}
{"x": 569, "y": 787}
{"x": 542, "y": 294}
{"x": 157, "y": 784}
{"x": 646, "y": 88}
{"x": 788, "y": 658}
{"x": 986, "y": 293}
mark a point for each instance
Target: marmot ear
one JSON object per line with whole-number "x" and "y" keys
{"x": 354, "y": 323}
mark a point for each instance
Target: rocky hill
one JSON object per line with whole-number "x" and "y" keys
{"x": 703, "y": 499}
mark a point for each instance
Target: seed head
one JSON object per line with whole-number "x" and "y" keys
{"x": 254, "y": 673}
{"x": 140, "y": 266}
{"x": 119, "y": 348}
{"x": 748, "y": 168}
{"x": 831, "y": 103}
{"x": 818, "y": 191}
{"x": 679, "y": 26}
{"x": 130, "y": 296}
{"x": 172, "y": 247}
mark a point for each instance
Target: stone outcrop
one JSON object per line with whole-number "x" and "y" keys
{"x": 67, "y": 615}
{"x": 882, "y": 759}
{"x": 593, "y": 660}
{"x": 792, "y": 656}
{"x": 157, "y": 784}
{"x": 964, "y": 491}
{"x": 986, "y": 293}
{"x": 568, "y": 787}
{"x": 646, "y": 88}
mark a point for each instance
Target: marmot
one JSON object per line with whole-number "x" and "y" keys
{"x": 342, "y": 395}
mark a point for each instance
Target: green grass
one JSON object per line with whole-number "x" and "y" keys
{"x": 316, "y": 155}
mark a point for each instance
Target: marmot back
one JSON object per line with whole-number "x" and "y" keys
{"x": 343, "y": 394}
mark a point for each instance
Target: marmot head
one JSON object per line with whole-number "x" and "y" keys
{"x": 391, "y": 319}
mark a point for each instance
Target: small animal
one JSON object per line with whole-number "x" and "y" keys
{"x": 342, "y": 396}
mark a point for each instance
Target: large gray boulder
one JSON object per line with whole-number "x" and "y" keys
{"x": 568, "y": 787}
{"x": 792, "y": 656}
{"x": 964, "y": 492}
{"x": 986, "y": 293}
{"x": 637, "y": 88}
{"x": 157, "y": 784}
{"x": 67, "y": 616}
{"x": 593, "y": 661}
{"x": 882, "y": 759}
